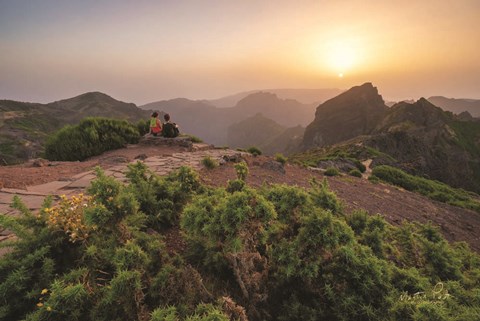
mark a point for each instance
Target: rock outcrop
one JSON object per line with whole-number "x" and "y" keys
{"x": 422, "y": 138}
{"x": 354, "y": 113}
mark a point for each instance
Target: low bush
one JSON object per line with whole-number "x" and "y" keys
{"x": 355, "y": 173}
{"x": 193, "y": 138}
{"x": 433, "y": 189}
{"x": 91, "y": 137}
{"x": 255, "y": 151}
{"x": 331, "y": 171}
{"x": 280, "y": 158}
{"x": 241, "y": 170}
{"x": 143, "y": 127}
{"x": 275, "y": 253}
{"x": 209, "y": 162}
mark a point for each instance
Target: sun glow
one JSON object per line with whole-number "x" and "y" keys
{"x": 341, "y": 57}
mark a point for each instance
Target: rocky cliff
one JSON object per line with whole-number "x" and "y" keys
{"x": 355, "y": 112}
{"x": 422, "y": 138}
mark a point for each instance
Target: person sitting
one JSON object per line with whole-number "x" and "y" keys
{"x": 155, "y": 124}
{"x": 170, "y": 130}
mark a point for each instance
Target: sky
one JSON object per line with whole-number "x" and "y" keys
{"x": 143, "y": 51}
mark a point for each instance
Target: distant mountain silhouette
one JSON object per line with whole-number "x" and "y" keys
{"x": 422, "y": 138}
{"x": 24, "y": 127}
{"x": 457, "y": 106}
{"x": 304, "y": 96}
{"x": 96, "y": 104}
{"x": 265, "y": 134}
{"x": 253, "y": 131}
{"x": 211, "y": 123}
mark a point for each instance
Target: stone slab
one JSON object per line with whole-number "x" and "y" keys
{"x": 5, "y": 208}
{"x": 33, "y": 202}
{"x": 78, "y": 176}
{"x": 83, "y": 182}
{"x": 48, "y": 188}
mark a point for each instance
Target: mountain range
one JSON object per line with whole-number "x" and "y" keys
{"x": 304, "y": 96}
{"x": 212, "y": 123}
{"x": 457, "y": 106}
{"x": 418, "y": 136}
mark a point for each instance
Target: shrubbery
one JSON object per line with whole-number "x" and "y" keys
{"x": 209, "y": 162}
{"x": 275, "y": 253}
{"x": 255, "y": 151}
{"x": 280, "y": 158}
{"x": 433, "y": 189}
{"x": 193, "y": 138}
{"x": 332, "y": 171}
{"x": 355, "y": 173}
{"x": 91, "y": 137}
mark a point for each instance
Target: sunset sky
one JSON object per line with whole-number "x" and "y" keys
{"x": 142, "y": 51}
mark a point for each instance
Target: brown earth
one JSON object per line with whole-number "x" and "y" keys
{"x": 20, "y": 176}
{"x": 395, "y": 204}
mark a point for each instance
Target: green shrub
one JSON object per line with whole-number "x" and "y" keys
{"x": 91, "y": 137}
{"x": 433, "y": 189}
{"x": 374, "y": 179}
{"x": 331, "y": 171}
{"x": 209, "y": 162}
{"x": 193, "y": 138}
{"x": 355, "y": 173}
{"x": 282, "y": 251}
{"x": 280, "y": 158}
{"x": 204, "y": 312}
{"x": 255, "y": 151}
{"x": 235, "y": 185}
{"x": 323, "y": 197}
{"x": 241, "y": 170}
{"x": 143, "y": 127}
{"x": 162, "y": 198}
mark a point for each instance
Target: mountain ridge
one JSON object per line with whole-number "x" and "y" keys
{"x": 24, "y": 127}
{"x": 422, "y": 138}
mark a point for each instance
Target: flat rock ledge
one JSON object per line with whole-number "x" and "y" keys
{"x": 149, "y": 140}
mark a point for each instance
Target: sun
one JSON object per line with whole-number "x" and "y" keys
{"x": 341, "y": 57}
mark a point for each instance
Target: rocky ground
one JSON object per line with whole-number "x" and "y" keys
{"x": 396, "y": 205}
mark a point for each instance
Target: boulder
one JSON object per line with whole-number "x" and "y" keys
{"x": 273, "y": 166}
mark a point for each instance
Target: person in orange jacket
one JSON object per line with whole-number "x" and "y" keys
{"x": 155, "y": 124}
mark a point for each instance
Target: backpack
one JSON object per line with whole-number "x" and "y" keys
{"x": 170, "y": 130}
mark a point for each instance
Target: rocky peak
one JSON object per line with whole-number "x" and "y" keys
{"x": 350, "y": 114}
{"x": 420, "y": 114}
{"x": 258, "y": 98}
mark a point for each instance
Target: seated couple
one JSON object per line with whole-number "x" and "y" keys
{"x": 167, "y": 129}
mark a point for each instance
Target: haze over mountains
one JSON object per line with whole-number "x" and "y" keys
{"x": 420, "y": 137}
{"x": 304, "y": 96}
{"x": 457, "y": 106}
{"x": 212, "y": 123}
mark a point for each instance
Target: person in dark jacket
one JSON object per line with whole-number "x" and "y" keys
{"x": 170, "y": 129}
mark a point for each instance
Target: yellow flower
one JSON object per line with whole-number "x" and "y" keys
{"x": 39, "y": 304}
{"x": 49, "y": 309}
{"x": 44, "y": 291}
